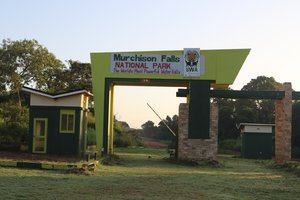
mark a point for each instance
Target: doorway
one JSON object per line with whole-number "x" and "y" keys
{"x": 133, "y": 114}
{"x": 40, "y": 126}
{"x": 109, "y": 112}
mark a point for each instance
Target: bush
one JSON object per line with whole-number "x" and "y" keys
{"x": 173, "y": 144}
{"x": 125, "y": 139}
{"x": 120, "y": 142}
{"x": 230, "y": 145}
{"x": 129, "y": 138}
{"x": 91, "y": 136}
{"x": 12, "y": 135}
{"x": 13, "y": 125}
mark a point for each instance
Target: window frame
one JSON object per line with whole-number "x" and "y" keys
{"x": 68, "y": 113}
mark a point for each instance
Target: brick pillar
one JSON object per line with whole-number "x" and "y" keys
{"x": 214, "y": 128}
{"x": 197, "y": 149}
{"x": 183, "y": 130}
{"x": 283, "y": 125}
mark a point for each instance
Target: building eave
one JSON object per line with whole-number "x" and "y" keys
{"x": 56, "y": 96}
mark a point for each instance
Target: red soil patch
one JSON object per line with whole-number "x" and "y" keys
{"x": 154, "y": 144}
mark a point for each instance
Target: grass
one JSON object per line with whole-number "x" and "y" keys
{"x": 145, "y": 175}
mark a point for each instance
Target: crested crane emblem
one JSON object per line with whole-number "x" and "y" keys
{"x": 191, "y": 58}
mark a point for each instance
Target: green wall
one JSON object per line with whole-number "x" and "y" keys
{"x": 257, "y": 145}
{"x": 57, "y": 143}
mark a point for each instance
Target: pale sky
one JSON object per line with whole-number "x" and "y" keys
{"x": 71, "y": 29}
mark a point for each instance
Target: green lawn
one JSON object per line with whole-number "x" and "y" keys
{"x": 142, "y": 177}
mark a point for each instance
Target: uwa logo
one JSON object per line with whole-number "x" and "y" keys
{"x": 192, "y": 62}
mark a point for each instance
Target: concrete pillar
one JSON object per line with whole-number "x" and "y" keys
{"x": 283, "y": 125}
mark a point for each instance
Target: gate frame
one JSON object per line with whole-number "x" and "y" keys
{"x": 220, "y": 70}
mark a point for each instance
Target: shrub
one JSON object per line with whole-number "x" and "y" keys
{"x": 128, "y": 138}
{"x": 120, "y": 142}
{"x": 173, "y": 144}
{"x": 91, "y": 136}
{"x": 230, "y": 145}
{"x": 13, "y": 125}
{"x": 12, "y": 135}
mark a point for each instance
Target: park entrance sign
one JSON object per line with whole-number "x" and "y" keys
{"x": 189, "y": 64}
{"x": 145, "y": 64}
{"x": 198, "y": 71}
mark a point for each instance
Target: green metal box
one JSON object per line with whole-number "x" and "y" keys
{"x": 257, "y": 142}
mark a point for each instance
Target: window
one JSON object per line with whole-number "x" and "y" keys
{"x": 67, "y": 121}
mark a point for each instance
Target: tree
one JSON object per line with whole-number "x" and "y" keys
{"x": 258, "y": 110}
{"x": 261, "y": 83}
{"x": 227, "y": 119}
{"x": 77, "y": 76}
{"x": 246, "y": 111}
{"x": 13, "y": 123}
{"x": 161, "y": 132}
{"x": 26, "y": 62}
{"x": 164, "y": 132}
{"x": 232, "y": 112}
{"x": 148, "y": 125}
{"x": 149, "y": 129}
{"x": 125, "y": 136}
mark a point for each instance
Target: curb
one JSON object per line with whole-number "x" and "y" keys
{"x": 38, "y": 165}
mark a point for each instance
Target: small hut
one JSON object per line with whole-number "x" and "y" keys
{"x": 58, "y": 122}
{"x": 257, "y": 140}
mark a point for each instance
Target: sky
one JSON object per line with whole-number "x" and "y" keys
{"x": 71, "y": 29}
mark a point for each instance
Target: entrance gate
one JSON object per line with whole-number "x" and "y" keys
{"x": 201, "y": 72}
{"x": 198, "y": 71}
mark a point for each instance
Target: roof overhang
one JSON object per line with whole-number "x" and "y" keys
{"x": 56, "y": 96}
{"x": 241, "y": 125}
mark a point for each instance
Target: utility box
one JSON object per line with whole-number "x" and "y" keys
{"x": 257, "y": 140}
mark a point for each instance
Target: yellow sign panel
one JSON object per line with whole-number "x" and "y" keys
{"x": 219, "y": 65}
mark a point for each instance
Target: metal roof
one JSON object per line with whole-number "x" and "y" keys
{"x": 254, "y": 124}
{"x": 58, "y": 95}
